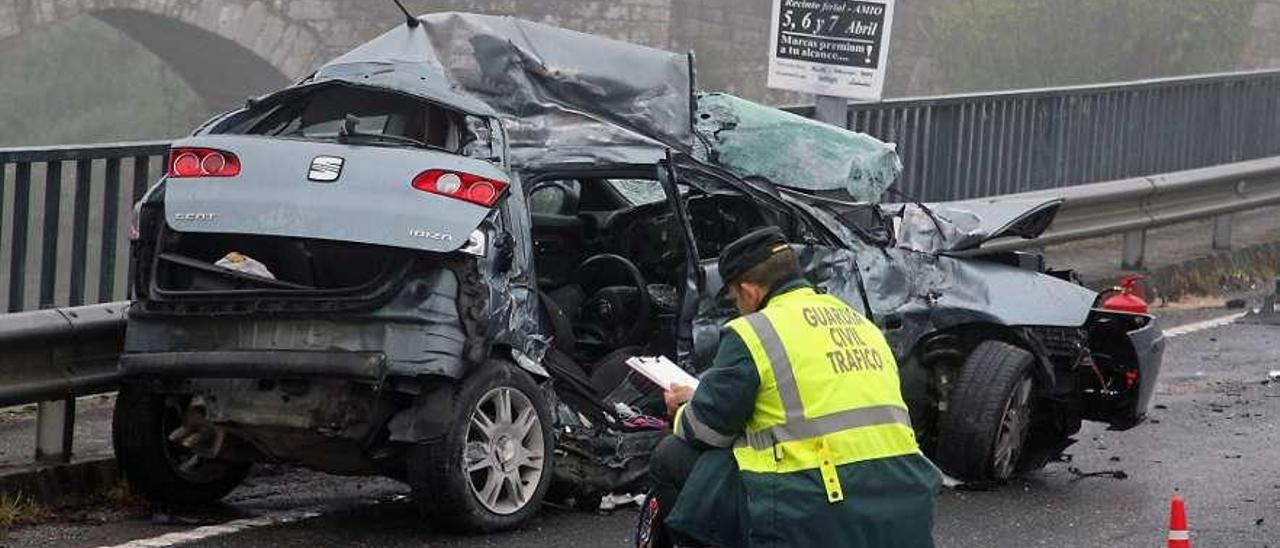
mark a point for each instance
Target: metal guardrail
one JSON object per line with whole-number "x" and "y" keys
{"x": 55, "y": 255}
{"x": 968, "y": 146}
{"x": 1132, "y": 206}
{"x": 52, "y": 356}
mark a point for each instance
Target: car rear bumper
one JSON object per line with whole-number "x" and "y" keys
{"x": 369, "y": 366}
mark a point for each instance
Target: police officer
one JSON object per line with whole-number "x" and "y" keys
{"x": 797, "y": 435}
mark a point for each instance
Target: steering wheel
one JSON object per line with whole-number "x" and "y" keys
{"x": 617, "y": 311}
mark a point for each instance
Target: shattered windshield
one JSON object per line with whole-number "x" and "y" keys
{"x": 750, "y": 139}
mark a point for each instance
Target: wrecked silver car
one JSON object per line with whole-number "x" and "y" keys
{"x": 431, "y": 259}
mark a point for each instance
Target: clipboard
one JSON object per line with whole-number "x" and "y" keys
{"x": 662, "y": 371}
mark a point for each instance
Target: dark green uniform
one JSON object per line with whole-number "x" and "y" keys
{"x": 877, "y": 502}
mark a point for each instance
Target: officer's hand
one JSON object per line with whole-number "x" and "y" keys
{"x": 678, "y": 395}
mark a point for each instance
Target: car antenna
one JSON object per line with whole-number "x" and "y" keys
{"x": 409, "y": 19}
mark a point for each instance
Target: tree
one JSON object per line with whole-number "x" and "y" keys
{"x": 982, "y": 45}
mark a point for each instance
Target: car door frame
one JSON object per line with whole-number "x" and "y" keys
{"x": 675, "y": 171}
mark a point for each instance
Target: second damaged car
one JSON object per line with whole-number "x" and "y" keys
{"x": 431, "y": 259}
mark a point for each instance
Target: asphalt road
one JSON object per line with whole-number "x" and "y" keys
{"x": 1213, "y": 437}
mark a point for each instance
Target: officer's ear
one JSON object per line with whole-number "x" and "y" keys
{"x": 753, "y": 294}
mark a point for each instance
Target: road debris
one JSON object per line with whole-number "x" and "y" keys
{"x": 1079, "y": 475}
{"x": 613, "y": 501}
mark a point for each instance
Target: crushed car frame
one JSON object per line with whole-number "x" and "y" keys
{"x": 430, "y": 259}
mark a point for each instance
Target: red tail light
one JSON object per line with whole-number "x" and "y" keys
{"x": 463, "y": 186}
{"x": 202, "y": 162}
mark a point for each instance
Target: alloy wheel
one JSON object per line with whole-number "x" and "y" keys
{"x": 505, "y": 450}
{"x": 1013, "y": 429}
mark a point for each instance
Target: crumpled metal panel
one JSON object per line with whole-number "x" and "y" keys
{"x": 920, "y": 292}
{"x": 750, "y": 139}
{"x": 568, "y": 97}
{"x": 927, "y": 292}
{"x": 419, "y": 330}
{"x": 420, "y": 79}
{"x": 564, "y": 96}
{"x": 513, "y": 320}
{"x": 959, "y": 226}
{"x": 920, "y": 230}
{"x": 432, "y": 340}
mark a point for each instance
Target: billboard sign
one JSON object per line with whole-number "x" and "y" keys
{"x": 831, "y": 47}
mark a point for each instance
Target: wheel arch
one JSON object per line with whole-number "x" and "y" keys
{"x": 956, "y": 342}
{"x": 936, "y": 358}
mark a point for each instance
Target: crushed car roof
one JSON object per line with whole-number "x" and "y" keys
{"x": 569, "y": 97}
{"x": 564, "y": 96}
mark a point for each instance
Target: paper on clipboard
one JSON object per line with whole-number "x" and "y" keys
{"x": 662, "y": 371}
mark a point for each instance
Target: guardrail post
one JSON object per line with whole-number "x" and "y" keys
{"x": 1269, "y": 303}
{"x": 1135, "y": 250}
{"x": 832, "y": 110}
{"x": 55, "y": 424}
{"x": 1222, "y": 232}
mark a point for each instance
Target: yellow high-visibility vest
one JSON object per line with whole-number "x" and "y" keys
{"x": 829, "y": 392}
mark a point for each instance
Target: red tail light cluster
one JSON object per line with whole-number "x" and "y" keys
{"x": 202, "y": 162}
{"x": 463, "y": 186}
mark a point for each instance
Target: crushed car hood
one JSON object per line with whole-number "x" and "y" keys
{"x": 964, "y": 226}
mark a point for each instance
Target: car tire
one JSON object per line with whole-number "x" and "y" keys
{"x": 982, "y": 434}
{"x": 162, "y": 470}
{"x": 492, "y": 468}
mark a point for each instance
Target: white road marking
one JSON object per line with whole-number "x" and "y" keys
{"x": 210, "y": 531}
{"x": 1201, "y": 326}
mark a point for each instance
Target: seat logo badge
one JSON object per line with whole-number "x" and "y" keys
{"x": 325, "y": 169}
{"x": 195, "y": 216}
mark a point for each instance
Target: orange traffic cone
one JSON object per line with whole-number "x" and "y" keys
{"x": 1179, "y": 536}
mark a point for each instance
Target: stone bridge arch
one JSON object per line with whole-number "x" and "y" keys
{"x": 225, "y": 50}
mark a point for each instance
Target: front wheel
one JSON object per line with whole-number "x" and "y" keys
{"x": 163, "y": 470}
{"x": 982, "y": 434}
{"x": 493, "y": 467}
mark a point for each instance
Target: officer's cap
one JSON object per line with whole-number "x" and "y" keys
{"x": 750, "y": 250}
